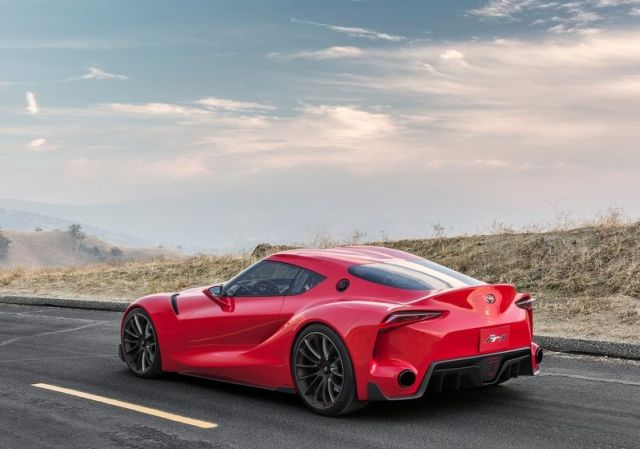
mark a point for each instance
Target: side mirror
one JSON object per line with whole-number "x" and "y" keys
{"x": 216, "y": 290}
{"x": 215, "y": 293}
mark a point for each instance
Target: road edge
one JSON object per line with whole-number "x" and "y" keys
{"x": 589, "y": 347}
{"x": 558, "y": 344}
{"x": 112, "y": 306}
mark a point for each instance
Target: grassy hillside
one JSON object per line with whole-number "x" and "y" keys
{"x": 32, "y": 249}
{"x": 587, "y": 279}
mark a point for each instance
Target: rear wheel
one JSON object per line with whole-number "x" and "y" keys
{"x": 140, "y": 344}
{"x": 323, "y": 372}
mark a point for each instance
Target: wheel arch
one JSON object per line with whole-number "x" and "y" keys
{"x": 357, "y": 325}
{"x": 158, "y": 308}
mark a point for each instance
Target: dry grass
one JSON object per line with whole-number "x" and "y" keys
{"x": 123, "y": 281}
{"x": 594, "y": 260}
{"x": 587, "y": 279}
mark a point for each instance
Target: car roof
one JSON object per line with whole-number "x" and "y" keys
{"x": 346, "y": 255}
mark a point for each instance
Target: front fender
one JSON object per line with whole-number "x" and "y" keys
{"x": 165, "y": 322}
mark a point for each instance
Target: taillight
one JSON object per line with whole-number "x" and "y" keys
{"x": 397, "y": 319}
{"x": 526, "y": 303}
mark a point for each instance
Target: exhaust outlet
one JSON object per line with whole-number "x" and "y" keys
{"x": 406, "y": 378}
{"x": 539, "y": 355}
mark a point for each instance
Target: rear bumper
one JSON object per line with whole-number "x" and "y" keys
{"x": 474, "y": 371}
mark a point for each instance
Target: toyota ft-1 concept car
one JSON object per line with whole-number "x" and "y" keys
{"x": 339, "y": 327}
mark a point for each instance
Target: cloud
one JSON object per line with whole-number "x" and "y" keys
{"x": 325, "y": 53}
{"x": 513, "y": 106}
{"x": 209, "y": 106}
{"x": 317, "y": 135}
{"x": 634, "y": 12}
{"x": 354, "y": 31}
{"x": 350, "y": 122}
{"x": 37, "y": 144}
{"x": 452, "y": 55}
{"x": 565, "y": 17}
{"x": 32, "y": 103}
{"x": 232, "y": 105}
{"x": 155, "y": 109}
{"x": 608, "y": 3}
{"x": 509, "y": 8}
{"x": 95, "y": 73}
{"x": 575, "y": 94}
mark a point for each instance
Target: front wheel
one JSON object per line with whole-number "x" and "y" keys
{"x": 323, "y": 372}
{"x": 140, "y": 348}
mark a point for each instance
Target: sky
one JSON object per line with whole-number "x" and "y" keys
{"x": 214, "y": 124}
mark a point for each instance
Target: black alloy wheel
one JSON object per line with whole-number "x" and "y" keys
{"x": 323, "y": 372}
{"x": 140, "y": 344}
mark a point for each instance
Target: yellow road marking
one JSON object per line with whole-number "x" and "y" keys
{"x": 129, "y": 406}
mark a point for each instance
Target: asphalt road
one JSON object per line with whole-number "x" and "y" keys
{"x": 578, "y": 402}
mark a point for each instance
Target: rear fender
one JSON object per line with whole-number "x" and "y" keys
{"x": 357, "y": 323}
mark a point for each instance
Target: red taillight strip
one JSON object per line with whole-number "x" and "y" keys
{"x": 407, "y": 317}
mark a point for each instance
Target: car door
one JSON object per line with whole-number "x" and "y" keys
{"x": 246, "y": 314}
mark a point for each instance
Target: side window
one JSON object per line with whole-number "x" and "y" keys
{"x": 266, "y": 278}
{"x": 305, "y": 281}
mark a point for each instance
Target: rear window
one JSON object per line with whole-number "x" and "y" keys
{"x": 412, "y": 275}
{"x": 444, "y": 271}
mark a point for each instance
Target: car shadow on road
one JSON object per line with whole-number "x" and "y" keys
{"x": 432, "y": 404}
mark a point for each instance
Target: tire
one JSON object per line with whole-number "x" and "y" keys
{"x": 323, "y": 372}
{"x": 140, "y": 346}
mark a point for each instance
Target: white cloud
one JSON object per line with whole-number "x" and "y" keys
{"x": 95, "y": 73}
{"x": 634, "y": 12}
{"x": 354, "y": 31}
{"x": 317, "y": 135}
{"x": 569, "y": 17}
{"x": 232, "y": 105}
{"x": 452, "y": 55}
{"x": 509, "y": 8}
{"x": 37, "y": 145}
{"x": 155, "y": 109}
{"x": 350, "y": 122}
{"x": 325, "y": 53}
{"x": 32, "y": 103}
{"x": 608, "y": 3}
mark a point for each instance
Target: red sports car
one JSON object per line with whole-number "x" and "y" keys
{"x": 339, "y": 327}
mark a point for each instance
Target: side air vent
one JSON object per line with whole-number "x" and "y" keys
{"x": 174, "y": 303}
